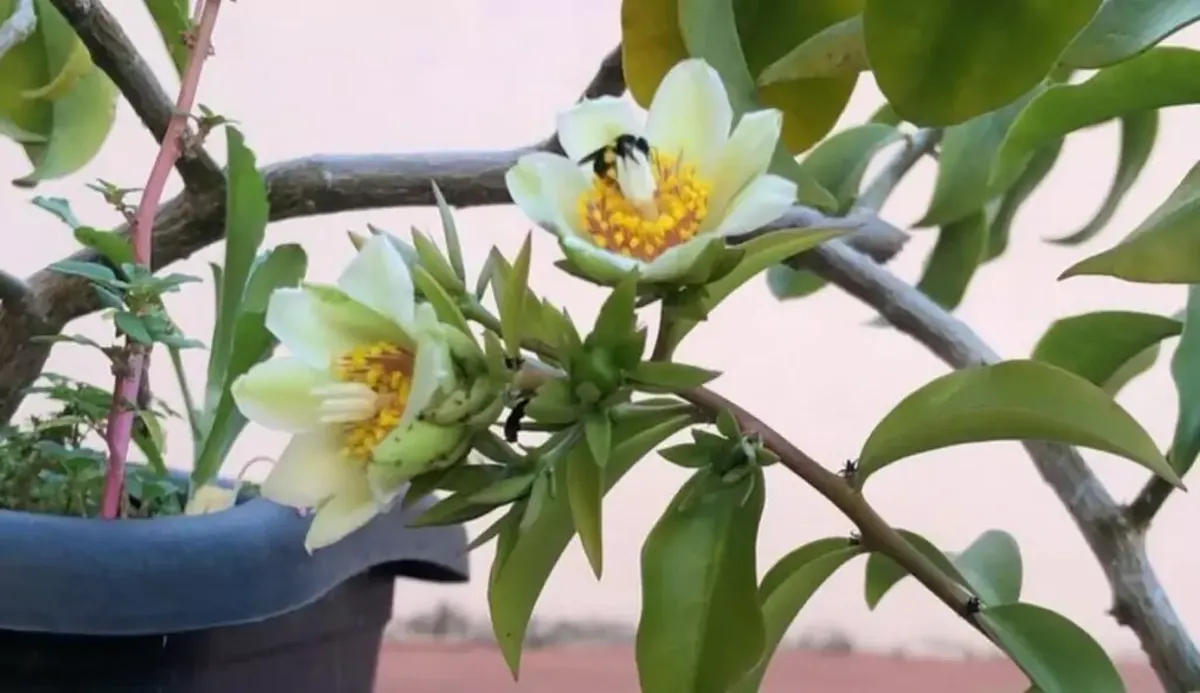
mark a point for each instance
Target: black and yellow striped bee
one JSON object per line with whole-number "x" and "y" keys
{"x": 604, "y": 159}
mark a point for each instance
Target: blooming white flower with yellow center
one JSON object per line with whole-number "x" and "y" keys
{"x": 653, "y": 195}
{"x": 366, "y": 360}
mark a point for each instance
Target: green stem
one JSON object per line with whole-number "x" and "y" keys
{"x": 189, "y": 404}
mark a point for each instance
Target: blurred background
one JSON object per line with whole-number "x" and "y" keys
{"x": 376, "y": 76}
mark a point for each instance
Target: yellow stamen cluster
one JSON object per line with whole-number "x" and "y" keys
{"x": 617, "y": 225}
{"x": 388, "y": 370}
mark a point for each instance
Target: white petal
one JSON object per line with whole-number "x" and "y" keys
{"x": 746, "y": 156}
{"x": 378, "y": 278}
{"x": 278, "y": 394}
{"x": 320, "y": 324}
{"x": 678, "y": 260}
{"x": 337, "y": 517}
{"x": 547, "y": 187}
{"x": 588, "y": 248}
{"x": 690, "y": 114}
{"x": 431, "y": 371}
{"x": 311, "y": 469}
{"x": 595, "y": 123}
{"x": 761, "y": 202}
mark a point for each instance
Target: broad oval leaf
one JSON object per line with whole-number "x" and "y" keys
{"x": 1162, "y": 249}
{"x": 80, "y": 119}
{"x": 1185, "y": 372}
{"x": 839, "y": 162}
{"x": 992, "y": 567}
{"x": 1097, "y": 345}
{"x": 24, "y": 67}
{"x": 941, "y": 62}
{"x": 795, "y": 578}
{"x": 517, "y": 581}
{"x": 1158, "y": 78}
{"x": 701, "y": 627}
{"x": 1010, "y": 400}
{"x": 1139, "y": 131}
{"x": 1057, "y": 655}
{"x": 1125, "y": 28}
{"x": 834, "y": 51}
{"x": 883, "y": 573}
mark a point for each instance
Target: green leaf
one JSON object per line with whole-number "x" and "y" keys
{"x": 445, "y": 307}
{"x": 1139, "y": 131}
{"x": 835, "y": 51}
{"x": 957, "y": 254}
{"x": 81, "y": 118}
{"x": 247, "y": 211}
{"x": 512, "y": 300}
{"x": 1057, "y": 655}
{"x": 965, "y": 161}
{"x": 436, "y": 264}
{"x": 883, "y": 573}
{"x": 585, "y": 495}
{"x": 450, "y": 231}
{"x": 665, "y": 376}
{"x": 839, "y": 162}
{"x": 1185, "y": 371}
{"x": 132, "y": 326}
{"x": 770, "y": 29}
{"x": 1162, "y": 249}
{"x": 1011, "y": 400}
{"x": 617, "y": 318}
{"x": 59, "y": 207}
{"x": 786, "y": 589}
{"x": 171, "y": 18}
{"x": 992, "y": 567}
{"x": 23, "y": 68}
{"x": 520, "y": 572}
{"x": 1125, "y": 28}
{"x": 787, "y": 283}
{"x": 88, "y": 270}
{"x": 112, "y": 245}
{"x": 1097, "y": 345}
{"x": 1158, "y": 78}
{"x": 597, "y": 428}
{"x": 1031, "y": 177}
{"x": 250, "y": 343}
{"x": 651, "y": 44}
{"x": 760, "y": 253}
{"x": 941, "y": 62}
{"x": 701, "y": 626}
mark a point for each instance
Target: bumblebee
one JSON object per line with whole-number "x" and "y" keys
{"x": 604, "y": 159}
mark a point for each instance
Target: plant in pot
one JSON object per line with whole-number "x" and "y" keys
{"x": 125, "y": 574}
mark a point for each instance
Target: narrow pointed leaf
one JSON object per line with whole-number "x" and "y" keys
{"x": 450, "y": 231}
{"x": 1027, "y": 182}
{"x": 1011, "y": 400}
{"x": 512, "y": 299}
{"x": 1185, "y": 371}
{"x": 839, "y": 162}
{"x": 1124, "y": 28}
{"x": 585, "y": 493}
{"x": 955, "y": 257}
{"x": 1139, "y": 131}
{"x": 171, "y": 18}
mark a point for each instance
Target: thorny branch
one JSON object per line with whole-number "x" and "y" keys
{"x": 1139, "y": 600}
{"x": 328, "y": 184}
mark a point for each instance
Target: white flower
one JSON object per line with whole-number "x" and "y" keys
{"x": 656, "y": 209}
{"x": 366, "y": 359}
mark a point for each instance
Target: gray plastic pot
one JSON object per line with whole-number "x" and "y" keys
{"x": 226, "y": 602}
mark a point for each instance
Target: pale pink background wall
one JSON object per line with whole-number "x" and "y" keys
{"x": 373, "y": 75}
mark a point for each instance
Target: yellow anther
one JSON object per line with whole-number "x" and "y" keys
{"x": 615, "y": 224}
{"x": 388, "y": 370}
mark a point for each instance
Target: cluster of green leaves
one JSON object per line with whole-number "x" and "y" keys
{"x": 133, "y": 296}
{"x": 55, "y": 463}
{"x": 54, "y": 101}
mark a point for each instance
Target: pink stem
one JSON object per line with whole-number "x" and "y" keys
{"x": 129, "y": 374}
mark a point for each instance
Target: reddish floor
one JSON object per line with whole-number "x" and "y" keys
{"x": 439, "y": 668}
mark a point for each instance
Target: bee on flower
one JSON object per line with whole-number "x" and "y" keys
{"x": 652, "y": 193}
{"x": 375, "y": 391}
